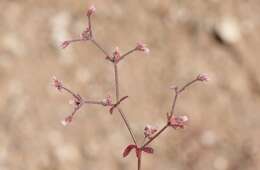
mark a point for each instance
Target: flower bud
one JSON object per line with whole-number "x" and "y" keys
{"x": 57, "y": 83}
{"x": 178, "y": 121}
{"x": 91, "y": 10}
{"x": 203, "y": 77}
{"x": 142, "y": 47}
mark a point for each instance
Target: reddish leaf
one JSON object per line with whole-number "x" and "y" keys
{"x": 138, "y": 152}
{"x": 128, "y": 149}
{"x": 148, "y": 150}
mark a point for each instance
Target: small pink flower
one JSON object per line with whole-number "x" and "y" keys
{"x": 107, "y": 101}
{"x": 178, "y": 121}
{"x": 76, "y": 101}
{"x": 203, "y": 77}
{"x": 142, "y": 47}
{"x": 91, "y": 10}
{"x": 116, "y": 54}
{"x": 128, "y": 149}
{"x": 57, "y": 83}
{"x": 65, "y": 44}
{"x": 149, "y": 131}
{"x": 85, "y": 35}
{"x": 67, "y": 120}
{"x": 148, "y": 150}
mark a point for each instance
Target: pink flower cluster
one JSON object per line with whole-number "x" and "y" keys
{"x": 116, "y": 55}
{"x": 76, "y": 102}
{"x": 67, "y": 120}
{"x": 149, "y": 131}
{"x": 57, "y": 83}
{"x": 107, "y": 101}
{"x": 86, "y": 34}
{"x": 65, "y": 44}
{"x": 142, "y": 47}
{"x": 178, "y": 121}
{"x": 91, "y": 10}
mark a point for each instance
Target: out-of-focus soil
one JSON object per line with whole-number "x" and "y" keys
{"x": 220, "y": 38}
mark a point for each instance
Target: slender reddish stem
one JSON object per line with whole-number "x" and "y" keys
{"x": 120, "y": 110}
{"x": 177, "y": 92}
{"x": 95, "y": 42}
{"x": 93, "y": 102}
{"x": 187, "y": 85}
{"x": 126, "y": 54}
{"x": 77, "y": 96}
{"x": 75, "y": 110}
{"x": 127, "y": 125}
{"x": 89, "y": 25}
{"x": 139, "y": 163}
{"x": 116, "y": 81}
{"x": 101, "y": 49}
{"x": 174, "y": 102}
{"x": 69, "y": 91}
{"x": 76, "y": 40}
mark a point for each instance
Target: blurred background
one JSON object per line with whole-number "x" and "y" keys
{"x": 220, "y": 38}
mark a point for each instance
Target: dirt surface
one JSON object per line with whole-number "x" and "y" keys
{"x": 220, "y": 38}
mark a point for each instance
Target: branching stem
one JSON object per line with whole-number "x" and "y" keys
{"x": 177, "y": 92}
{"x": 101, "y": 49}
{"x": 126, "y": 54}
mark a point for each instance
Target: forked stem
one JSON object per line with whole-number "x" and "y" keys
{"x": 177, "y": 92}
{"x": 126, "y": 54}
{"x": 101, "y": 49}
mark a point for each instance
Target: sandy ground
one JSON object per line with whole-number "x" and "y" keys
{"x": 186, "y": 38}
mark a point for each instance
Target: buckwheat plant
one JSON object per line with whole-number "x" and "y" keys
{"x": 150, "y": 132}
